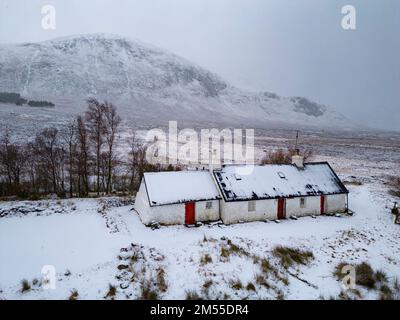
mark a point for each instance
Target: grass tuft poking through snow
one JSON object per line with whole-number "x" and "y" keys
{"x": 381, "y": 276}
{"x": 147, "y": 291}
{"x": 385, "y": 293}
{"x": 365, "y": 275}
{"x": 205, "y": 259}
{"x": 161, "y": 282}
{"x": 236, "y": 284}
{"x": 291, "y": 256}
{"x": 25, "y": 286}
{"x": 112, "y": 291}
{"x": 74, "y": 295}
{"x": 250, "y": 287}
{"x": 193, "y": 295}
{"x": 207, "y": 284}
{"x": 231, "y": 248}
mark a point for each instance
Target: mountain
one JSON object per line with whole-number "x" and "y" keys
{"x": 146, "y": 83}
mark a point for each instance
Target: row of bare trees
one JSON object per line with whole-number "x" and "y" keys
{"x": 77, "y": 160}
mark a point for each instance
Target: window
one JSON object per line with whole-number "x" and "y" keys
{"x": 251, "y": 206}
{"x": 208, "y": 205}
{"x": 302, "y": 202}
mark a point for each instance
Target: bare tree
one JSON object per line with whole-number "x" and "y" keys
{"x": 51, "y": 156}
{"x": 12, "y": 161}
{"x": 70, "y": 140}
{"x": 57, "y": 161}
{"x": 83, "y": 157}
{"x": 132, "y": 162}
{"x": 32, "y": 168}
{"x": 95, "y": 125}
{"x": 111, "y": 125}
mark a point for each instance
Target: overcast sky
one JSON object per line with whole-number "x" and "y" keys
{"x": 291, "y": 47}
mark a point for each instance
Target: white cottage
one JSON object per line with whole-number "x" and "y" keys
{"x": 236, "y": 193}
{"x": 178, "y": 197}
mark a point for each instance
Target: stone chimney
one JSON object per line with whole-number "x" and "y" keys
{"x": 298, "y": 160}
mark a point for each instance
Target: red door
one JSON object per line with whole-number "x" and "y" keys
{"x": 189, "y": 213}
{"x": 323, "y": 204}
{"x": 281, "y": 209}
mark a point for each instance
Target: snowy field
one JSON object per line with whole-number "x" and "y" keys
{"x": 93, "y": 243}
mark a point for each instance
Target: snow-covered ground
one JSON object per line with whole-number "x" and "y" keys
{"x": 91, "y": 242}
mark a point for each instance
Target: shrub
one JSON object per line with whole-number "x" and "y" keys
{"x": 232, "y": 248}
{"x": 260, "y": 279}
{"x": 161, "y": 283}
{"x": 207, "y": 284}
{"x": 280, "y": 296}
{"x": 250, "y": 287}
{"x": 396, "y": 284}
{"x": 290, "y": 256}
{"x": 25, "y": 286}
{"x": 380, "y": 276}
{"x": 206, "y": 259}
{"x": 147, "y": 293}
{"x": 135, "y": 257}
{"x": 386, "y": 293}
{"x": 237, "y": 285}
{"x": 225, "y": 252}
{"x": 192, "y": 295}
{"x": 365, "y": 275}
{"x": 112, "y": 291}
{"x": 74, "y": 295}
{"x": 266, "y": 266}
{"x": 282, "y": 156}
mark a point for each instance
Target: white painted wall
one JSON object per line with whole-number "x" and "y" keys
{"x": 336, "y": 203}
{"x": 169, "y": 214}
{"x": 174, "y": 213}
{"x": 312, "y": 207}
{"x": 202, "y": 214}
{"x": 233, "y": 212}
{"x": 141, "y": 203}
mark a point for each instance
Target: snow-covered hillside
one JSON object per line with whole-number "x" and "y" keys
{"x": 146, "y": 82}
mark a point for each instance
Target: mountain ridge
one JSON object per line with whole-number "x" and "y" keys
{"x": 147, "y": 82}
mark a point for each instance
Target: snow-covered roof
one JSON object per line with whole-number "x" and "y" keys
{"x": 275, "y": 181}
{"x": 179, "y": 186}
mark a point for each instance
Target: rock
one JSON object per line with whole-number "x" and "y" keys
{"x": 123, "y": 267}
